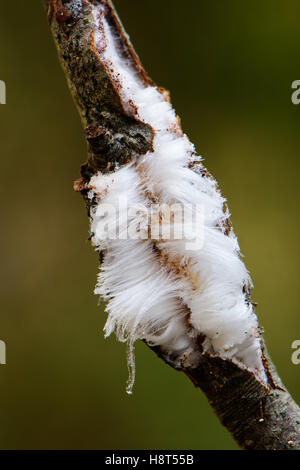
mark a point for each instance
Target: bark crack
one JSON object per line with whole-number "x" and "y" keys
{"x": 258, "y": 416}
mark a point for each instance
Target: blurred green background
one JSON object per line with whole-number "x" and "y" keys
{"x": 229, "y": 66}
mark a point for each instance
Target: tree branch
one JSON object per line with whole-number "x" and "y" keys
{"x": 259, "y": 414}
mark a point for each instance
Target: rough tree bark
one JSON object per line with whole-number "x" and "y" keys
{"x": 258, "y": 416}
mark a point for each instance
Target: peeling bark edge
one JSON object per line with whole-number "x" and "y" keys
{"x": 113, "y": 134}
{"x": 258, "y": 417}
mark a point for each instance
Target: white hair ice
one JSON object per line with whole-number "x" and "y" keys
{"x": 159, "y": 290}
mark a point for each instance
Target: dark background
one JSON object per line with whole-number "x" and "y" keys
{"x": 229, "y": 66}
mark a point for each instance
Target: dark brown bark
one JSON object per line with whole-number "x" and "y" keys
{"x": 259, "y": 416}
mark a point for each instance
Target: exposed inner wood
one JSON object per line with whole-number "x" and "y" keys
{"x": 258, "y": 417}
